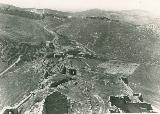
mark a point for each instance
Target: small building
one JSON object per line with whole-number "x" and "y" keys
{"x": 72, "y": 71}
{"x": 50, "y": 44}
{"x": 47, "y": 43}
{"x": 68, "y": 70}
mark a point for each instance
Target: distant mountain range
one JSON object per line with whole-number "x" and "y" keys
{"x": 121, "y": 34}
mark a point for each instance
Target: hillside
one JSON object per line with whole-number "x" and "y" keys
{"x": 137, "y": 17}
{"x": 117, "y": 39}
{"x": 85, "y": 56}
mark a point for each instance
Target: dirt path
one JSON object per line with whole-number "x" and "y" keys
{"x": 55, "y": 39}
{"x": 3, "y": 72}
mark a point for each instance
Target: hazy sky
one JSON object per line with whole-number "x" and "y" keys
{"x": 152, "y": 6}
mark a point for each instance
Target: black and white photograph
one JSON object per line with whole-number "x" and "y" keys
{"x": 79, "y": 56}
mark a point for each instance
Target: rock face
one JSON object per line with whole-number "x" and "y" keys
{"x": 127, "y": 105}
{"x": 56, "y": 103}
{"x": 77, "y": 63}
